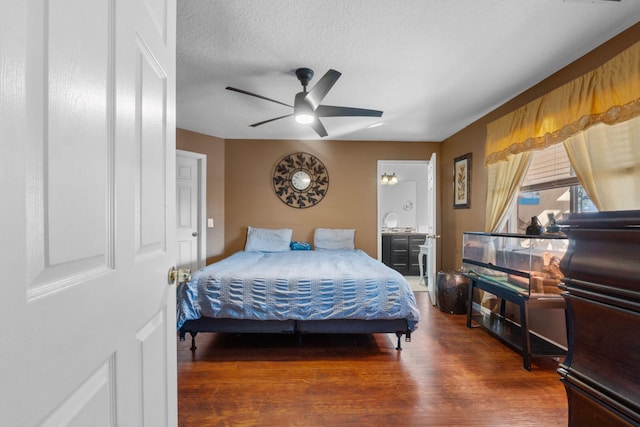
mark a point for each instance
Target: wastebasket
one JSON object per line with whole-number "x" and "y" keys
{"x": 452, "y": 292}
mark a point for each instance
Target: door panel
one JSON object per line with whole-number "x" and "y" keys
{"x": 151, "y": 148}
{"x": 190, "y": 209}
{"x": 158, "y": 14}
{"x": 75, "y": 131}
{"x": 66, "y": 141}
{"x": 152, "y": 341}
{"x": 90, "y": 404}
{"x": 187, "y": 212}
{"x": 87, "y": 154}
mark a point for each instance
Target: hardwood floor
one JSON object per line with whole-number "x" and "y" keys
{"x": 447, "y": 376}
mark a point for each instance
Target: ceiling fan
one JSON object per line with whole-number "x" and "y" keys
{"x": 306, "y": 106}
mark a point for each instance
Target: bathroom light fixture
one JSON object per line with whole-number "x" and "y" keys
{"x": 388, "y": 179}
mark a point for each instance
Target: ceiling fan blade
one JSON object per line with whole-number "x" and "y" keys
{"x": 319, "y": 128}
{"x": 257, "y": 96}
{"x": 332, "y": 111}
{"x": 320, "y": 90}
{"x": 270, "y": 120}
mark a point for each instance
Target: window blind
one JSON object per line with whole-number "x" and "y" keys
{"x": 549, "y": 168}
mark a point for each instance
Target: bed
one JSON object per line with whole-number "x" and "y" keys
{"x": 334, "y": 288}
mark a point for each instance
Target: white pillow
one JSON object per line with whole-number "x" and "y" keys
{"x": 334, "y": 238}
{"x": 268, "y": 239}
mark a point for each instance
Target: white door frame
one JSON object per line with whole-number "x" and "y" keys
{"x": 432, "y": 236}
{"x": 201, "y": 159}
{"x": 431, "y": 194}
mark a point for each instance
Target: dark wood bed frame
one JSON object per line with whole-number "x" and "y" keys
{"x": 299, "y": 327}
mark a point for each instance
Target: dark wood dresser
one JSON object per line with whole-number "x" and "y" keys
{"x": 601, "y": 373}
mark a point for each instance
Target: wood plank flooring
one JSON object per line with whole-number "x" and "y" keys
{"x": 447, "y": 376}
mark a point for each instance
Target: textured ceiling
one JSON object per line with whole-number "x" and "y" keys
{"x": 432, "y": 66}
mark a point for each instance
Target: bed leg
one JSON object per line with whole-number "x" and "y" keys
{"x": 399, "y": 335}
{"x": 193, "y": 341}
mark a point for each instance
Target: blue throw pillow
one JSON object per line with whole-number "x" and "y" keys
{"x": 300, "y": 246}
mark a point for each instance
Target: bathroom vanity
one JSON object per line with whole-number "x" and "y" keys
{"x": 400, "y": 251}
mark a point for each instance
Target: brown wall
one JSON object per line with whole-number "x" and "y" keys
{"x": 214, "y": 149}
{"x": 472, "y": 139}
{"x": 351, "y": 200}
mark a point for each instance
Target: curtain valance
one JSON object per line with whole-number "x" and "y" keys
{"x": 609, "y": 94}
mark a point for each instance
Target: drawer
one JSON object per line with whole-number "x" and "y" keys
{"x": 399, "y": 242}
{"x": 400, "y": 268}
{"x": 399, "y": 257}
{"x": 399, "y": 252}
{"x": 585, "y": 409}
{"x": 605, "y": 352}
{"x": 416, "y": 241}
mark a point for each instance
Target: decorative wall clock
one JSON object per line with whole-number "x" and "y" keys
{"x": 300, "y": 180}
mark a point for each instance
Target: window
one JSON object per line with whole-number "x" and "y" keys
{"x": 550, "y": 186}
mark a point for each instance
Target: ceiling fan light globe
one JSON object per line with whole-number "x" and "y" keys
{"x": 304, "y": 119}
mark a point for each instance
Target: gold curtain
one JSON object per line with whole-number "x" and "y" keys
{"x": 609, "y": 94}
{"x": 504, "y": 181}
{"x": 607, "y": 162}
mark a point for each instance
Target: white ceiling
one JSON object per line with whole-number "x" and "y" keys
{"x": 432, "y": 66}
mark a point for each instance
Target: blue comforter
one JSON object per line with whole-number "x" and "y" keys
{"x": 297, "y": 285}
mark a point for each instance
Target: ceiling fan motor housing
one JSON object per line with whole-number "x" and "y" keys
{"x": 304, "y": 75}
{"x": 301, "y": 105}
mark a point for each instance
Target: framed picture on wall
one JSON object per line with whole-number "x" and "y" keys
{"x": 462, "y": 182}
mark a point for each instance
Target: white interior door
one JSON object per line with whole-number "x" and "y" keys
{"x": 432, "y": 236}
{"x": 190, "y": 209}
{"x": 87, "y": 154}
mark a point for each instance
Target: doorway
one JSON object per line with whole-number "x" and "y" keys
{"x": 407, "y": 205}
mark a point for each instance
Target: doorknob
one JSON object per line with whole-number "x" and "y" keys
{"x": 181, "y": 275}
{"x": 194, "y": 234}
{"x": 172, "y": 275}
{"x": 184, "y": 275}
